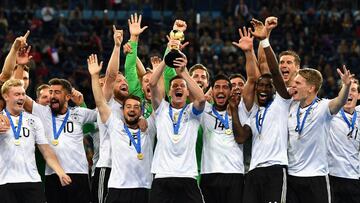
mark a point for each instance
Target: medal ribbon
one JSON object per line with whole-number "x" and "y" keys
{"x": 258, "y": 123}
{"x": 137, "y": 145}
{"x": 176, "y": 126}
{"x": 353, "y": 120}
{"x": 224, "y": 121}
{"x": 57, "y": 133}
{"x": 16, "y": 130}
{"x": 298, "y": 127}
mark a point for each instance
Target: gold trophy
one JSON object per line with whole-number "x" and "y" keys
{"x": 175, "y": 49}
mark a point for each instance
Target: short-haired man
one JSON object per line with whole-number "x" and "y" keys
{"x": 289, "y": 64}
{"x": 200, "y": 74}
{"x": 237, "y": 84}
{"x": 308, "y": 127}
{"x": 19, "y": 178}
{"x": 174, "y": 163}
{"x": 132, "y": 150}
{"x": 222, "y": 166}
{"x": 266, "y": 179}
{"x": 343, "y": 150}
{"x": 43, "y": 95}
{"x": 63, "y": 127}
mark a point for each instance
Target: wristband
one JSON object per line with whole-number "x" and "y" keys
{"x": 265, "y": 43}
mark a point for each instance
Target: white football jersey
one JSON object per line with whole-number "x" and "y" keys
{"x": 70, "y": 149}
{"x": 307, "y": 152}
{"x": 174, "y": 155}
{"x": 221, "y": 153}
{"x": 17, "y": 162}
{"x": 105, "y": 146}
{"x": 270, "y": 146}
{"x": 343, "y": 147}
{"x": 127, "y": 171}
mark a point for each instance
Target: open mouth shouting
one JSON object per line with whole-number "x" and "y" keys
{"x": 349, "y": 100}
{"x": 179, "y": 94}
{"x": 237, "y": 92}
{"x": 220, "y": 98}
{"x": 54, "y": 104}
{"x": 20, "y": 103}
{"x": 124, "y": 88}
{"x": 262, "y": 96}
{"x": 285, "y": 73}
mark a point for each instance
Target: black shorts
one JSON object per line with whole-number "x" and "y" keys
{"x": 222, "y": 187}
{"x": 265, "y": 184}
{"x": 175, "y": 190}
{"x": 308, "y": 189}
{"x": 129, "y": 195}
{"x": 344, "y": 190}
{"x": 78, "y": 191}
{"x": 22, "y": 192}
{"x": 99, "y": 184}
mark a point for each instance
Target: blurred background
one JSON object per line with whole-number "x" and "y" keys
{"x": 325, "y": 33}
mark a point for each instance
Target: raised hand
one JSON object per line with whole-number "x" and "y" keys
{"x": 118, "y": 36}
{"x": 93, "y": 66}
{"x": 180, "y": 25}
{"x": 21, "y": 41}
{"x": 246, "y": 40}
{"x": 77, "y": 97}
{"x": 134, "y": 25}
{"x": 23, "y": 56}
{"x": 176, "y": 43}
{"x": 260, "y": 30}
{"x": 155, "y": 61}
{"x": 180, "y": 64}
{"x": 234, "y": 101}
{"x": 346, "y": 76}
{"x": 271, "y": 23}
{"x": 4, "y": 124}
{"x": 126, "y": 48}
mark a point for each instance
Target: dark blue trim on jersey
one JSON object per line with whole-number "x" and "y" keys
{"x": 196, "y": 112}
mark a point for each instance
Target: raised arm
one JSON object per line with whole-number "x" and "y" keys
{"x": 113, "y": 65}
{"x": 241, "y": 133}
{"x": 270, "y": 24}
{"x": 261, "y": 33}
{"x": 140, "y": 68}
{"x": 194, "y": 89}
{"x": 130, "y": 62}
{"x": 252, "y": 71}
{"x": 53, "y": 162}
{"x": 10, "y": 60}
{"x": 100, "y": 101}
{"x": 338, "y": 102}
{"x": 139, "y": 65}
{"x": 157, "y": 93}
{"x": 169, "y": 72}
{"x": 23, "y": 57}
{"x": 77, "y": 97}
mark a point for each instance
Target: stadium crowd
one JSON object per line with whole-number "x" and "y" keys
{"x": 324, "y": 33}
{"x": 143, "y": 93}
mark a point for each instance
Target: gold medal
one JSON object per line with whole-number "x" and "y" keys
{"x": 55, "y": 142}
{"x": 228, "y": 131}
{"x": 140, "y": 156}
{"x": 17, "y": 142}
{"x": 176, "y": 137}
